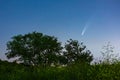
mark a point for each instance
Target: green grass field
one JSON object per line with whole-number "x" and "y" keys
{"x": 13, "y": 71}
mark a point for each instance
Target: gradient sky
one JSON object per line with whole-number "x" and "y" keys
{"x": 95, "y": 22}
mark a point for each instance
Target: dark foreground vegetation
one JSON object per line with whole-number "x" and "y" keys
{"x": 41, "y": 57}
{"x": 13, "y": 71}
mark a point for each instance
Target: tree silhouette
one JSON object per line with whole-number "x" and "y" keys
{"x": 34, "y": 48}
{"x": 76, "y": 52}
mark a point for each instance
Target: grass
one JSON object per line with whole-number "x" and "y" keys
{"x": 101, "y": 71}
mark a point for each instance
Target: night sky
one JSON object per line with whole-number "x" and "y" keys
{"x": 94, "y": 22}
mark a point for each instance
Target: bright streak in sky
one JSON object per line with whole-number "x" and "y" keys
{"x": 84, "y": 30}
{"x": 87, "y": 25}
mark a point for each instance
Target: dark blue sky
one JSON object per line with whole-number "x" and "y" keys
{"x": 94, "y": 22}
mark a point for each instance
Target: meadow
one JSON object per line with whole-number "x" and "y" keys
{"x": 99, "y": 71}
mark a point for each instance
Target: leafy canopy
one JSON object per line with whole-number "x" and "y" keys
{"x": 77, "y": 52}
{"x": 38, "y": 49}
{"x": 34, "y": 48}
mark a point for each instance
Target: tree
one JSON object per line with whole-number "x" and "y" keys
{"x": 34, "y": 48}
{"x": 108, "y": 55}
{"x": 76, "y": 52}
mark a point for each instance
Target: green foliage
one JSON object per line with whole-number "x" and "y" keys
{"x": 38, "y": 52}
{"x": 76, "y": 52}
{"x": 14, "y": 71}
{"x": 38, "y": 49}
{"x": 34, "y": 49}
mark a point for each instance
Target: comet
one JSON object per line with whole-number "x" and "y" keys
{"x": 84, "y": 30}
{"x": 87, "y": 24}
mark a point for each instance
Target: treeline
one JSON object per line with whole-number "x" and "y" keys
{"x": 41, "y": 57}
{"x": 39, "y": 49}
